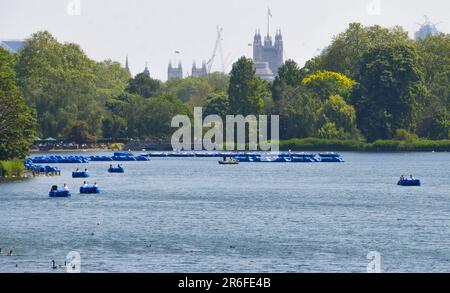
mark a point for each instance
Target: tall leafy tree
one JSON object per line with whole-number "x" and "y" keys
{"x": 144, "y": 85}
{"x": 17, "y": 120}
{"x": 191, "y": 90}
{"x": 217, "y": 104}
{"x": 110, "y": 79}
{"x": 337, "y": 119}
{"x": 391, "y": 91}
{"x": 57, "y": 81}
{"x": 348, "y": 48}
{"x": 289, "y": 75}
{"x": 298, "y": 112}
{"x": 158, "y": 116}
{"x": 246, "y": 90}
{"x": 435, "y": 53}
{"x": 78, "y": 131}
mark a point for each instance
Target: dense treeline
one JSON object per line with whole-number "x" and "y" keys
{"x": 371, "y": 83}
{"x": 17, "y": 120}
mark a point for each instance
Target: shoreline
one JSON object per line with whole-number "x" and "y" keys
{"x": 68, "y": 150}
{"x": 296, "y": 145}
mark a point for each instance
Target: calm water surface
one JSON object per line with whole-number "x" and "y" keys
{"x": 194, "y": 215}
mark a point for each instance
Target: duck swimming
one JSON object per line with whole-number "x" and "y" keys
{"x": 57, "y": 266}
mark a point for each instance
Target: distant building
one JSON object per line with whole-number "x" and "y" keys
{"x": 146, "y": 71}
{"x": 126, "y": 66}
{"x": 263, "y": 71}
{"x": 199, "y": 71}
{"x": 174, "y": 72}
{"x": 426, "y": 29}
{"x": 12, "y": 46}
{"x": 269, "y": 53}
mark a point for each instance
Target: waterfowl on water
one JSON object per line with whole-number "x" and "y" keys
{"x": 56, "y": 266}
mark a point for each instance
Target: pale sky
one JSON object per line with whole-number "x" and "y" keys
{"x": 153, "y": 30}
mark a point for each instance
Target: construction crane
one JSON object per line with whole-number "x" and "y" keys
{"x": 217, "y": 46}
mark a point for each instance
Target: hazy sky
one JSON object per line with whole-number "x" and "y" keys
{"x": 152, "y": 30}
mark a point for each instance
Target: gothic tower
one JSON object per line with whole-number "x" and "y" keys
{"x": 199, "y": 71}
{"x": 174, "y": 72}
{"x": 257, "y": 47}
{"x": 278, "y": 60}
{"x": 268, "y": 57}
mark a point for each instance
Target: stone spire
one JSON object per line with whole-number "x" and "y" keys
{"x": 146, "y": 71}
{"x": 126, "y": 65}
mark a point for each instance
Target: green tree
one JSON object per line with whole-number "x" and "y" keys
{"x": 246, "y": 90}
{"x": 217, "y": 81}
{"x": 159, "y": 114}
{"x": 298, "y": 112}
{"x": 435, "y": 123}
{"x": 338, "y": 120}
{"x": 191, "y": 90}
{"x": 114, "y": 127}
{"x": 110, "y": 79}
{"x": 78, "y": 131}
{"x": 217, "y": 104}
{"x": 132, "y": 108}
{"x": 348, "y": 48}
{"x": 57, "y": 80}
{"x": 144, "y": 85}
{"x": 435, "y": 52}
{"x": 289, "y": 75}
{"x": 390, "y": 92}
{"x": 17, "y": 120}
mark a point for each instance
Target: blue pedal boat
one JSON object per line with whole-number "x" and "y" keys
{"x": 409, "y": 182}
{"x": 59, "y": 193}
{"x": 116, "y": 170}
{"x": 89, "y": 189}
{"x": 80, "y": 174}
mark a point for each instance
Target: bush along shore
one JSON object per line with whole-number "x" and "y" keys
{"x": 419, "y": 145}
{"x": 12, "y": 169}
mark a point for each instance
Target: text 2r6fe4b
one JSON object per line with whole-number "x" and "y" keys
{"x": 245, "y": 282}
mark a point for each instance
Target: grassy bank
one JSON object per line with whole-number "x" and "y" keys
{"x": 12, "y": 168}
{"x": 420, "y": 145}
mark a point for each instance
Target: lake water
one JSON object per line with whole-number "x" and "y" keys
{"x": 194, "y": 215}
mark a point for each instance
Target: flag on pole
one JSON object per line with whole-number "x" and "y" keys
{"x": 269, "y": 13}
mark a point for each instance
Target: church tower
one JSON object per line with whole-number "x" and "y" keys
{"x": 199, "y": 71}
{"x": 174, "y": 72}
{"x": 257, "y": 47}
{"x": 267, "y": 56}
{"x": 278, "y": 60}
